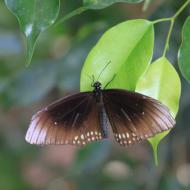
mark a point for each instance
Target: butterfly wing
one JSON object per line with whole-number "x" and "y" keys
{"x": 71, "y": 120}
{"x": 135, "y": 117}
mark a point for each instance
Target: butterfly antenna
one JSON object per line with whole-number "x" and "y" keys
{"x": 89, "y": 76}
{"x": 93, "y": 80}
{"x": 110, "y": 81}
{"x": 103, "y": 70}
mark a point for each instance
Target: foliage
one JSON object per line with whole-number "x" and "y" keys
{"x": 100, "y": 4}
{"x": 93, "y": 38}
{"x": 162, "y": 83}
{"x": 34, "y": 17}
{"x": 128, "y": 47}
{"x": 184, "y": 50}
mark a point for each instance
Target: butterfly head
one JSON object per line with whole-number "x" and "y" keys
{"x": 97, "y": 85}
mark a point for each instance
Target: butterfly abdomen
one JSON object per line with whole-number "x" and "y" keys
{"x": 103, "y": 120}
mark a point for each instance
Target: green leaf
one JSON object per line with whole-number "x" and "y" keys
{"x": 128, "y": 47}
{"x": 70, "y": 65}
{"x": 184, "y": 51}
{"x": 34, "y": 17}
{"x": 162, "y": 83}
{"x": 100, "y": 4}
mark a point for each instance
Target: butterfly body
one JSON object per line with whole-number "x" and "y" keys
{"x": 85, "y": 117}
{"x": 97, "y": 91}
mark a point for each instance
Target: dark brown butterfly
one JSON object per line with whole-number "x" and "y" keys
{"x": 82, "y": 118}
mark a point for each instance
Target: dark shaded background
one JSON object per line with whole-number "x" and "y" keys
{"x": 54, "y": 72}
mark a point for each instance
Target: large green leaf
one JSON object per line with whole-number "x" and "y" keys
{"x": 162, "y": 83}
{"x": 100, "y": 4}
{"x": 34, "y": 17}
{"x": 184, "y": 51}
{"x": 71, "y": 64}
{"x": 128, "y": 47}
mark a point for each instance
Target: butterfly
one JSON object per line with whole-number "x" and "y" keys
{"x": 84, "y": 117}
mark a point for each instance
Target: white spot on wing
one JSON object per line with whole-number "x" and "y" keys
{"x": 82, "y": 136}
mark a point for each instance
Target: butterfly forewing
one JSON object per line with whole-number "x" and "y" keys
{"x": 135, "y": 117}
{"x": 79, "y": 119}
{"x": 71, "y": 120}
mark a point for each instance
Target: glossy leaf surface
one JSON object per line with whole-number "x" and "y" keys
{"x": 162, "y": 83}
{"x": 121, "y": 56}
{"x": 99, "y": 4}
{"x": 34, "y": 17}
{"x": 184, "y": 51}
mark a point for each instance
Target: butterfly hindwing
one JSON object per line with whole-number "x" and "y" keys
{"x": 135, "y": 117}
{"x": 79, "y": 119}
{"x": 71, "y": 120}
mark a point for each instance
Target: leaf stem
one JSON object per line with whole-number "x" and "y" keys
{"x": 168, "y": 37}
{"x": 146, "y": 4}
{"x": 162, "y": 20}
{"x": 71, "y": 14}
{"x": 156, "y": 154}
{"x": 172, "y": 20}
{"x": 181, "y": 9}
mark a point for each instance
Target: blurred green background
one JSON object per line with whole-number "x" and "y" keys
{"x": 54, "y": 72}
